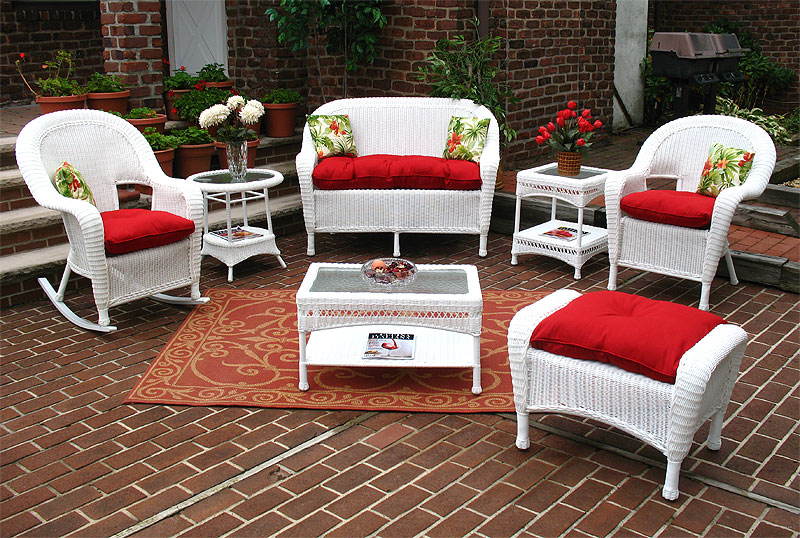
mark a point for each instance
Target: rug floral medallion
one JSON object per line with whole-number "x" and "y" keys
{"x": 241, "y": 349}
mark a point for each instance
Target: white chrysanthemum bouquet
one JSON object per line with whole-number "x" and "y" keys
{"x": 233, "y": 118}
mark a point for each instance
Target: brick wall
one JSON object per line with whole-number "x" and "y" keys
{"x": 39, "y": 30}
{"x": 133, "y": 48}
{"x": 773, "y": 23}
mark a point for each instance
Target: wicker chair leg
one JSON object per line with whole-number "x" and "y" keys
{"x": 670, "y": 491}
{"x": 72, "y": 317}
{"x": 705, "y": 293}
{"x": 731, "y": 271}
{"x": 310, "y": 249}
{"x": 482, "y": 252}
{"x": 714, "y": 440}
{"x": 523, "y": 435}
{"x": 612, "y": 277}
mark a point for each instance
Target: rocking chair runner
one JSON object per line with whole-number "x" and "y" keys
{"x": 109, "y": 151}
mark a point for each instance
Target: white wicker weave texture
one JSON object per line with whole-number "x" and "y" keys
{"x": 109, "y": 151}
{"x": 662, "y": 415}
{"x": 400, "y": 126}
{"x": 678, "y": 150}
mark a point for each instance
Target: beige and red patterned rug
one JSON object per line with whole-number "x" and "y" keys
{"x": 241, "y": 349}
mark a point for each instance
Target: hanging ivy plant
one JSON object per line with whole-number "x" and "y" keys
{"x": 350, "y": 26}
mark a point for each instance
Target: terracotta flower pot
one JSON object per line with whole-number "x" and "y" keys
{"x": 192, "y": 158}
{"x": 109, "y": 101}
{"x": 66, "y": 102}
{"x": 569, "y": 163}
{"x": 252, "y": 148}
{"x": 224, "y": 85}
{"x": 165, "y": 159}
{"x": 169, "y": 103}
{"x": 158, "y": 122}
{"x": 280, "y": 119}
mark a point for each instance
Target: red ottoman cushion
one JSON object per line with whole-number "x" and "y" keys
{"x": 679, "y": 208}
{"x": 634, "y": 333}
{"x": 127, "y": 230}
{"x": 396, "y": 172}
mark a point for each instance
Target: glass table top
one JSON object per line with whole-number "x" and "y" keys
{"x": 349, "y": 280}
{"x": 223, "y": 177}
{"x": 585, "y": 173}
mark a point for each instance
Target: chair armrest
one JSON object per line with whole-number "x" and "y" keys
{"x": 520, "y": 329}
{"x": 177, "y": 196}
{"x": 711, "y": 365}
{"x": 490, "y": 157}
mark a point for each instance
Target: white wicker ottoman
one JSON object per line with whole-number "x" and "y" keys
{"x": 663, "y": 415}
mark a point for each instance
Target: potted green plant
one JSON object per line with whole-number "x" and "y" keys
{"x": 175, "y": 85}
{"x": 163, "y": 147}
{"x": 107, "y": 92}
{"x": 194, "y": 151}
{"x": 144, "y": 117}
{"x": 281, "y": 106}
{"x": 213, "y": 75}
{"x": 56, "y": 91}
{"x": 190, "y": 105}
{"x": 462, "y": 69}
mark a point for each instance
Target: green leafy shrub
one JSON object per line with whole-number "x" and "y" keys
{"x": 282, "y": 95}
{"x": 190, "y": 105}
{"x": 213, "y": 72}
{"x": 180, "y": 80}
{"x": 160, "y": 142}
{"x": 57, "y": 82}
{"x": 140, "y": 113}
{"x": 103, "y": 83}
{"x": 192, "y": 136}
{"x": 771, "y": 124}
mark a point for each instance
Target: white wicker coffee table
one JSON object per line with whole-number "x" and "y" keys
{"x": 442, "y": 307}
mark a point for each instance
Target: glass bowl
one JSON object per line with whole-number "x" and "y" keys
{"x": 388, "y": 272}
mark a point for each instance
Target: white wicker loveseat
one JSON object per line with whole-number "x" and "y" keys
{"x": 400, "y": 126}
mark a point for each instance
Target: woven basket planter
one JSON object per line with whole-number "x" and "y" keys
{"x": 569, "y": 163}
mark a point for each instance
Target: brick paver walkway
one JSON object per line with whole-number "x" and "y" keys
{"x": 77, "y": 462}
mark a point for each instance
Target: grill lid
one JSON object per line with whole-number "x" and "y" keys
{"x": 684, "y": 44}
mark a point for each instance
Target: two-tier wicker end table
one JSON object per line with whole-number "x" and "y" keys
{"x": 442, "y": 307}
{"x": 586, "y": 241}
{"x": 237, "y": 245}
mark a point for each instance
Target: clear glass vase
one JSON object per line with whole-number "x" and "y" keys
{"x": 236, "y": 152}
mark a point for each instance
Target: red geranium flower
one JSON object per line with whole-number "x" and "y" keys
{"x": 22, "y": 55}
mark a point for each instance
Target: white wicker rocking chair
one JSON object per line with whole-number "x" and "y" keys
{"x": 109, "y": 151}
{"x": 678, "y": 150}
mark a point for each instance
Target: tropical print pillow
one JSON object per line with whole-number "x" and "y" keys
{"x": 466, "y": 138}
{"x": 725, "y": 167}
{"x": 332, "y": 135}
{"x": 70, "y": 183}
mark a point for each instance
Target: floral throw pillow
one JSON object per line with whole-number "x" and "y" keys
{"x": 725, "y": 167}
{"x": 70, "y": 183}
{"x": 466, "y": 138}
{"x": 332, "y": 135}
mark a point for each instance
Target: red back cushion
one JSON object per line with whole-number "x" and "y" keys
{"x": 679, "y": 208}
{"x": 396, "y": 172}
{"x": 634, "y": 333}
{"x": 127, "y": 230}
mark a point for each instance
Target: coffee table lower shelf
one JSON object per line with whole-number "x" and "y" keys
{"x": 435, "y": 348}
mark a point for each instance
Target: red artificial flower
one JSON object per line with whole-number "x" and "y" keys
{"x": 546, "y": 135}
{"x": 551, "y": 127}
{"x": 571, "y": 105}
{"x": 586, "y": 113}
{"x": 598, "y": 124}
{"x": 542, "y": 130}
{"x": 560, "y": 121}
{"x": 581, "y": 142}
{"x": 22, "y": 55}
{"x": 539, "y": 139}
{"x": 573, "y": 114}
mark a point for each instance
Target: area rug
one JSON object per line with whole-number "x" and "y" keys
{"x": 240, "y": 349}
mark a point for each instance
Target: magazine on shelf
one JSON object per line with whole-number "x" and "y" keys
{"x": 564, "y": 233}
{"x": 237, "y": 234}
{"x": 394, "y": 346}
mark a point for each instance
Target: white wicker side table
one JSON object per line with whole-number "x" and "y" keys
{"x": 578, "y": 191}
{"x": 217, "y": 186}
{"x": 442, "y": 308}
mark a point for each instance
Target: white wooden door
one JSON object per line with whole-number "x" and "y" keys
{"x": 198, "y": 34}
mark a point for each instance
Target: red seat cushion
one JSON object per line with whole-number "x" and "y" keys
{"x": 634, "y": 333}
{"x": 396, "y": 172}
{"x": 679, "y": 208}
{"x": 127, "y": 230}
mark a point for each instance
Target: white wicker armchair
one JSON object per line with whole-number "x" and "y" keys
{"x": 400, "y": 126}
{"x": 109, "y": 151}
{"x": 663, "y": 415}
{"x": 678, "y": 151}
